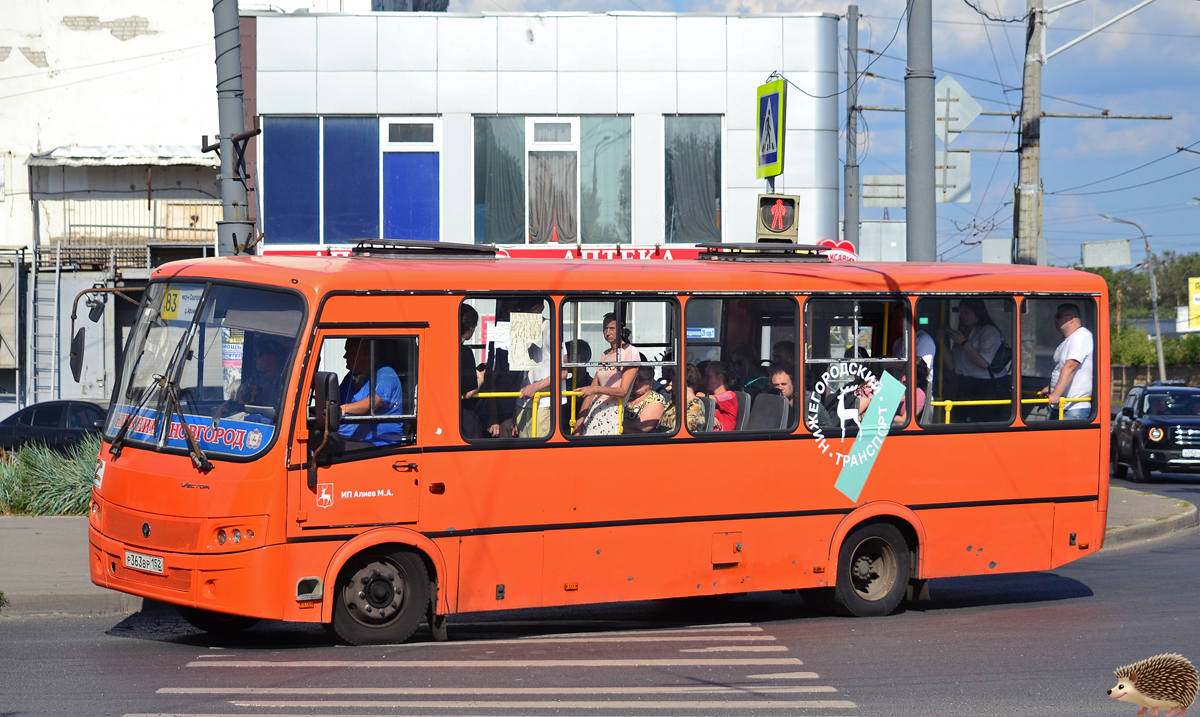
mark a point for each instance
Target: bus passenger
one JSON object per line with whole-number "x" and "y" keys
{"x": 471, "y": 377}
{"x": 646, "y": 405}
{"x": 694, "y": 412}
{"x": 784, "y": 351}
{"x": 610, "y": 387}
{"x": 1072, "y": 376}
{"x": 922, "y": 374}
{"x": 749, "y": 370}
{"x": 973, "y": 346}
{"x": 357, "y": 399}
{"x": 716, "y": 377}
{"x": 782, "y": 381}
{"x": 577, "y": 351}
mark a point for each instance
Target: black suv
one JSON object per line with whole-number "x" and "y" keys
{"x": 1158, "y": 429}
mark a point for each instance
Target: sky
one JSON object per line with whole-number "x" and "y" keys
{"x": 1148, "y": 63}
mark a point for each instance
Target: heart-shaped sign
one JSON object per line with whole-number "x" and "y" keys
{"x": 838, "y": 250}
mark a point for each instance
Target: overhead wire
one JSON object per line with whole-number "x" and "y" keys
{"x": 857, "y": 78}
{"x": 1070, "y": 191}
{"x": 1007, "y": 87}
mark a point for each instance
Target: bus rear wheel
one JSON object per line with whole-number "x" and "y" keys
{"x": 380, "y": 598}
{"x": 217, "y": 623}
{"x": 873, "y": 567}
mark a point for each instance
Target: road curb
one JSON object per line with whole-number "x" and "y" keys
{"x": 1130, "y": 534}
{"x": 81, "y": 605}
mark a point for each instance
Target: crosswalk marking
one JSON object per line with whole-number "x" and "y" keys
{"x": 738, "y": 648}
{"x": 596, "y": 637}
{"x": 351, "y": 714}
{"x": 474, "y": 664}
{"x": 666, "y": 690}
{"x": 784, "y": 676}
{"x": 730, "y": 627}
{"x": 561, "y": 704}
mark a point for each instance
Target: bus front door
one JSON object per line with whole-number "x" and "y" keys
{"x": 367, "y": 472}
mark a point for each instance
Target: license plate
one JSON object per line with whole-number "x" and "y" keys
{"x": 1191, "y": 452}
{"x": 149, "y": 563}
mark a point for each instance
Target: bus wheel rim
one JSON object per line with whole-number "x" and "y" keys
{"x": 873, "y": 569}
{"x": 374, "y": 595}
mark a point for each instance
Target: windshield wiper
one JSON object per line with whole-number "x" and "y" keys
{"x": 166, "y": 387}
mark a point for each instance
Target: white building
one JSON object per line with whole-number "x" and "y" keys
{"x": 616, "y": 130}
{"x": 102, "y": 107}
{"x": 635, "y": 129}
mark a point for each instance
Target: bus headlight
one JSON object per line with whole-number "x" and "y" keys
{"x": 220, "y": 537}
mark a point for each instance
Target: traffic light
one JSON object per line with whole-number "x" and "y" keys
{"x": 777, "y": 218}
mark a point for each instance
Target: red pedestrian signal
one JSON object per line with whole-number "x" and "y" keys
{"x": 777, "y": 218}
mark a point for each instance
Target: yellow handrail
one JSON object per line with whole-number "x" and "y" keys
{"x": 538, "y": 396}
{"x": 950, "y": 404}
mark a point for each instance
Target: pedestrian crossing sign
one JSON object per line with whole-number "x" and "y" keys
{"x": 770, "y": 128}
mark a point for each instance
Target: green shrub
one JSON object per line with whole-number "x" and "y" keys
{"x": 12, "y": 488}
{"x": 58, "y": 484}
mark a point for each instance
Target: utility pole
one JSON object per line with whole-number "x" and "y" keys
{"x": 236, "y": 233}
{"x": 919, "y": 204}
{"x": 852, "y": 192}
{"x": 1027, "y": 199}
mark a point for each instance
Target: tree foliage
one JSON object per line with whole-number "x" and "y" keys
{"x": 1129, "y": 289}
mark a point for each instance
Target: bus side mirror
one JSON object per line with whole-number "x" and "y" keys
{"x": 77, "y": 354}
{"x": 327, "y": 419}
{"x": 329, "y": 410}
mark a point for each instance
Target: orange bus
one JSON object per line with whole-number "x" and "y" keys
{"x": 420, "y": 430}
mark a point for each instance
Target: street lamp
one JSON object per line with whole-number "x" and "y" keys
{"x": 1162, "y": 364}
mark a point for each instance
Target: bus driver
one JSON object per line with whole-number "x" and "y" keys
{"x": 357, "y": 399}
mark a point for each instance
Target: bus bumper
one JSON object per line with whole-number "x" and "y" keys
{"x": 249, "y": 582}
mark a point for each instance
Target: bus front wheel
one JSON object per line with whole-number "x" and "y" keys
{"x": 873, "y": 567}
{"x": 380, "y": 598}
{"x": 217, "y": 623}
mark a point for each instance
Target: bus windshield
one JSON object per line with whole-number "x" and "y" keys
{"x": 215, "y": 355}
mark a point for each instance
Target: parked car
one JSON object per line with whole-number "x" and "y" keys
{"x": 1157, "y": 429}
{"x": 58, "y": 424}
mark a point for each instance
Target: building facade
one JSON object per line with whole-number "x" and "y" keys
{"x": 588, "y": 130}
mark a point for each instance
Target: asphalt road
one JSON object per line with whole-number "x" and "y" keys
{"x": 1184, "y": 486}
{"x": 992, "y": 645}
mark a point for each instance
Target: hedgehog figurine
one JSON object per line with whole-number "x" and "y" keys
{"x": 1163, "y": 682}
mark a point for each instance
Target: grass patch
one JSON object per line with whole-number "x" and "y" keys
{"x": 3, "y": 600}
{"x": 1164, "y": 517}
{"x": 1145, "y": 492}
{"x": 38, "y": 481}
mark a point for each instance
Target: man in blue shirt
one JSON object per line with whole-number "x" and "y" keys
{"x": 357, "y": 399}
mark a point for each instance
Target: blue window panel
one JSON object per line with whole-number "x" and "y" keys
{"x": 410, "y": 195}
{"x": 351, "y": 179}
{"x": 291, "y": 180}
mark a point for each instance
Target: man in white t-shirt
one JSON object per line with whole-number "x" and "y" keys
{"x": 1072, "y": 376}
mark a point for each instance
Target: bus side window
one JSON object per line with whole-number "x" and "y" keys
{"x": 378, "y": 393}
{"x": 743, "y": 355}
{"x": 620, "y": 361}
{"x": 506, "y": 357}
{"x": 850, "y": 344}
{"x": 971, "y": 380}
{"x": 1057, "y": 337}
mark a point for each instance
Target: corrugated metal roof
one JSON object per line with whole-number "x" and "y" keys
{"x": 124, "y": 155}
